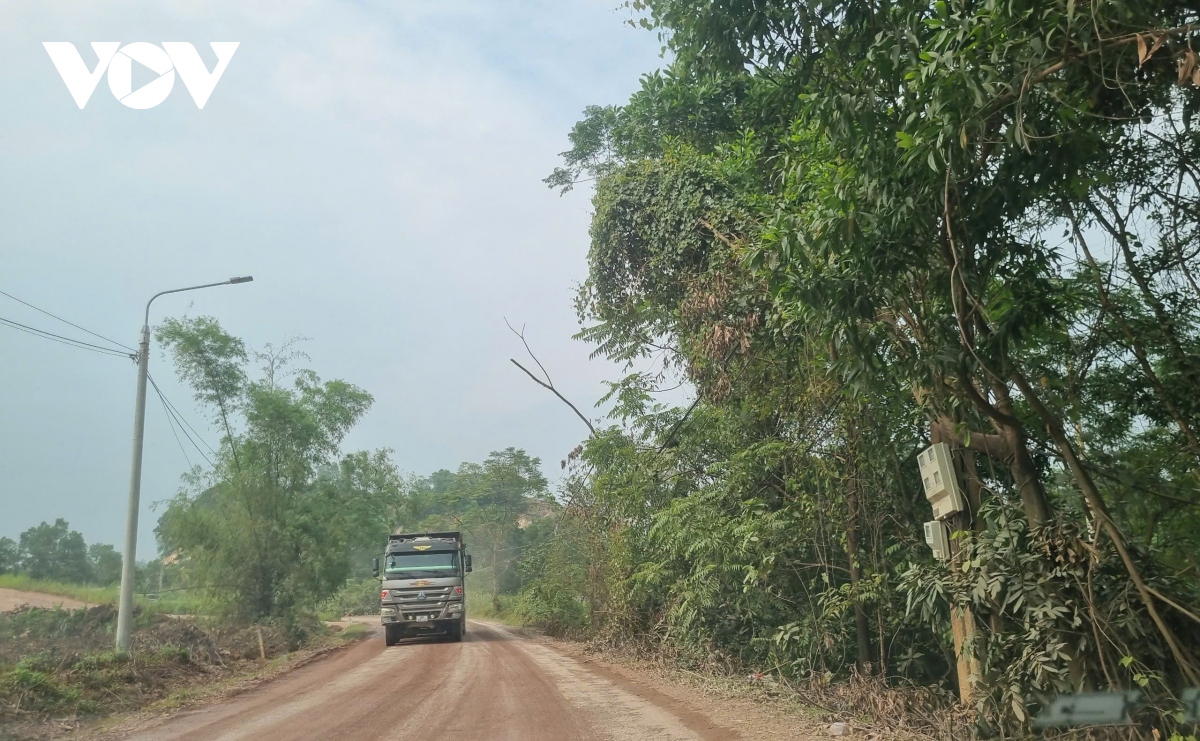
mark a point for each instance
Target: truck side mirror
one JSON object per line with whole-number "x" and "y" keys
{"x": 467, "y": 564}
{"x": 375, "y": 567}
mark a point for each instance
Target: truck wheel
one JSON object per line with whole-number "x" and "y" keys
{"x": 456, "y": 633}
{"x": 391, "y": 634}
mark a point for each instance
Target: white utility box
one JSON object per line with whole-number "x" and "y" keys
{"x": 940, "y": 482}
{"x": 937, "y": 537}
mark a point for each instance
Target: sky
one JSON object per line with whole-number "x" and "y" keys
{"x": 376, "y": 166}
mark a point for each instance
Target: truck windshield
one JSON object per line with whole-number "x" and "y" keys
{"x": 403, "y": 565}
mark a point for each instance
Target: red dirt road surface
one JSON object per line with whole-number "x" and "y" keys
{"x": 494, "y": 686}
{"x": 11, "y": 599}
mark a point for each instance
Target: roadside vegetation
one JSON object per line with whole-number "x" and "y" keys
{"x": 81, "y": 592}
{"x": 252, "y": 546}
{"x": 852, "y": 230}
{"x": 356, "y": 597}
{"x": 59, "y": 665}
{"x": 284, "y": 523}
{"x": 56, "y": 553}
{"x": 54, "y": 559}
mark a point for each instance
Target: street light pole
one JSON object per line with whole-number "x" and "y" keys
{"x": 129, "y": 555}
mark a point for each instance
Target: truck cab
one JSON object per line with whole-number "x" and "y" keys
{"x": 423, "y": 589}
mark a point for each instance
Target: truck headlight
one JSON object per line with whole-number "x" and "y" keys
{"x": 387, "y": 610}
{"x": 456, "y": 607}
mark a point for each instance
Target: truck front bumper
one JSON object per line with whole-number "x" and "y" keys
{"x": 420, "y": 617}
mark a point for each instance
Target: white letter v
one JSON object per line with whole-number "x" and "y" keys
{"x": 80, "y": 82}
{"x": 196, "y": 77}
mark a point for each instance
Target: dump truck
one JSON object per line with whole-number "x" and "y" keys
{"x": 423, "y": 589}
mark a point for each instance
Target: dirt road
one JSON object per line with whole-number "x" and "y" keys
{"x": 491, "y": 687}
{"x": 11, "y": 599}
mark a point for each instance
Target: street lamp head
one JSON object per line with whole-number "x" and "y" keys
{"x": 244, "y": 279}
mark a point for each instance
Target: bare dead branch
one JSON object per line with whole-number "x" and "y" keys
{"x": 524, "y": 342}
{"x": 547, "y": 384}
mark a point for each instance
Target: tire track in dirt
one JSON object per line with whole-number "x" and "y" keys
{"x": 494, "y": 686}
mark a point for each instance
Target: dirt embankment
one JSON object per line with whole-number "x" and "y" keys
{"x": 12, "y": 599}
{"x": 58, "y": 669}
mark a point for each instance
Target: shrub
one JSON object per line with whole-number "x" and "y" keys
{"x": 356, "y": 597}
{"x": 554, "y": 611}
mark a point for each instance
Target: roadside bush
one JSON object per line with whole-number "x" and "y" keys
{"x": 1066, "y": 607}
{"x": 480, "y": 606}
{"x": 356, "y": 597}
{"x": 36, "y": 688}
{"x": 553, "y": 611}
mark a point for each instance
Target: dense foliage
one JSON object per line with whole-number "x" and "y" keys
{"x": 858, "y": 227}
{"x": 270, "y": 528}
{"x": 493, "y": 504}
{"x": 58, "y": 553}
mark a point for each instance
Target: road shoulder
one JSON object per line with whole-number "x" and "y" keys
{"x": 709, "y": 708}
{"x": 218, "y": 694}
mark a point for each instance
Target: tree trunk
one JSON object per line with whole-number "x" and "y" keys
{"x": 862, "y": 626}
{"x": 1025, "y": 473}
{"x": 1103, "y": 520}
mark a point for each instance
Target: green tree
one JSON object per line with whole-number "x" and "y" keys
{"x": 9, "y": 559}
{"x": 493, "y": 503}
{"x": 272, "y": 528}
{"x": 498, "y": 495}
{"x": 104, "y": 563}
{"x": 54, "y": 552}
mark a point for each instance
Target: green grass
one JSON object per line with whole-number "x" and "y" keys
{"x": 352, "y": 633}
{"x": 83, "y": 593}
{"x": 480, "y": 607}
{"x": 94, "y": 595}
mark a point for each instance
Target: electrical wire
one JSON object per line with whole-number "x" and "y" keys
{"x": 179, "y": 416}
{"x": 63, "y": 340}
{"x": 171, "y": 422}
{"x": 168, "y": 407}
{"x": 64, "y": 321}
{"x": 174, "y": 418}
{"x": 174, "y": 422}
{"x": 173, "y": 415}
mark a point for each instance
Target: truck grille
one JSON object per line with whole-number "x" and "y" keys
{"x": 421, "y": 598}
